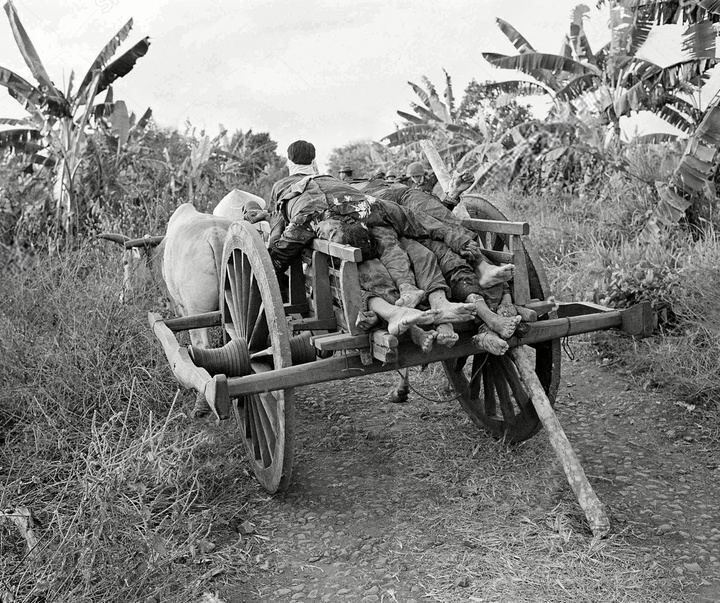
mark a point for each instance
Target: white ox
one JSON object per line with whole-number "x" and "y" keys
{"x": 189, "y": 256}
{"x": 193, "y": 255}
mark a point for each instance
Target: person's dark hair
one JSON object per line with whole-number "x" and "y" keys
{"x": 357, "y": 235}
{"x": 301, "y": 152}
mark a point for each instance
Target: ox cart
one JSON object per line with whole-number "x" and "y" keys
{"x": 279, "y": 339}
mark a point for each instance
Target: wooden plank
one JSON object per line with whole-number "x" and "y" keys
{"x": 588, "y": 500}
{"x": 336, "y": 250}
{"x": 196, "y": 321}
{"x": 334, "y": 342}
{"x": 521, "y": 280}
{"x": 297, "y": 292}
{"x": 497, "y": 226}
{"x": 314, "y": 324}
{"x": 384, "y": 346}
{"x": 321, "y": 296}
{"x": 437, "y": 164}
{"x": 500, "y": 257}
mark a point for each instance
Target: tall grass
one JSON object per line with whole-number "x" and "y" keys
{"x": 590, "y": 250}
{"x": 98, "y": 461}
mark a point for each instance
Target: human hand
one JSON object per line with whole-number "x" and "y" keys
{"x": 471, "y": 251}
{"x": 460, "y": 183}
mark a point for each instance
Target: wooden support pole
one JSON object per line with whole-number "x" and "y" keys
{"x": 590, "y": 503}
{"x": 437, "y": 164}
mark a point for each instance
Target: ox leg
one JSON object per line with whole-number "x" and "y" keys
{"x": 402, "y": 390}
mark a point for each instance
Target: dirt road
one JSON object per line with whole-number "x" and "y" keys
{"x": 411, "y": 503}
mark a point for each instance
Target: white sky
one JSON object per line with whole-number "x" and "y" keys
{"x": 328, "y": 71}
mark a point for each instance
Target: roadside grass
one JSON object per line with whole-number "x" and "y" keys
{"x": 590, "y": 251}
{"x": 513, "y": 530}
{"x": 108, "y": 492}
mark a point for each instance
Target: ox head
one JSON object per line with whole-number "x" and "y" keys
{"x": 142, "y": 262}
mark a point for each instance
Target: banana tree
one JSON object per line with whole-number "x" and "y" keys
{"x": 56, "y": 128}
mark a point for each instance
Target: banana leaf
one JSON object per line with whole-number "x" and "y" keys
{"x": 699, "y": 40}
{"x": 32, "y": 60}
{"x": 21, "y": 90}
{"x": 123, "y": 65}
{"x": 518, "y": 87}
{"x": 18, "y": 137}
{"x": 105, "y": 55}
{"x": 449, "y": 96}
{"x": 426, "y": 113}
{"x": 530, "y": 62}
{"x": 409, "y": 134}
{"x": 711, "y": 6}
{"x": 512, "y": 34}
{"x": 467, "y": 132}
{"x": 677, "y": 119}
{"x": 656, "y": 138}
{"x": 577, "y": 87}
{"x": 690, "y": 178}
{"x": 424, "y": 97}
{"x": 411, "y": 118}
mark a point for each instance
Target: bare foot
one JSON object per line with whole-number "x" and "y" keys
{"x": 446, "y": 335}
{"x": 451, "y": 312}
{"x": 503, "y": 326}
{"x": 487, "y": 341}
{"x": 410, "y": 296}
{"x": 400, "y": 319}
{"x": 506, "y": 310}
{"x": 490, "y": 275}
{"x": 422, "y": 338}
{"x": 366, "y": 320}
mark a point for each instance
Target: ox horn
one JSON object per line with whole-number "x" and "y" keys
{"x": 112, "y": 236}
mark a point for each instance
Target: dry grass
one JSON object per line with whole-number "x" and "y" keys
{"x": 128, "y": 499}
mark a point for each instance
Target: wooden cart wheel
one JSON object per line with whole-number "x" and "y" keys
{"x": 489, "y": 387}
{"x": 252, "y": 310}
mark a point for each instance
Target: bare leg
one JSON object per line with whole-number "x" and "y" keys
{"x": 490, "y": 275}
{"x": 502, "y": 325}
{"x": 410, "y": 295}
{"x": 422, "y": 338}
{"x": 398, "y": 318}
{"x": 488, "y": 341}
{"x": 450, "y": 312}
{"x": 446, "y": 335}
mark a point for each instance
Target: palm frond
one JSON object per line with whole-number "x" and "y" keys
{"x": 426, "y": 113}
{"x": 699, "y": 40}
{"x": 105, "y": 55}
{"x": 449, "y": 96}
{"x": 531, "y": 62}
{"x": 515, "y": 87}
{"x": 656, "y": 138}
{"x": 122, "y": 65}
{"x": 411, "y": 118}
{"x": 695, "y": 169}
{"x": 409, "y": 134}
{"x": 576, "y": 87}
{"x": 32, "y": 60}
{"x": 711, "y": 6}
{"x": 677, "y": 119}
{"x": 512, "y": 34}
{"x": 20, "y": 89}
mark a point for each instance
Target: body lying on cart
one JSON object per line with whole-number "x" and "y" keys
{"x": 306, "y": 334}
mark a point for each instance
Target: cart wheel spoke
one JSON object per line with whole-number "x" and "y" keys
{"x": 498, "y": 402}
{"x": 513, "y": 379}
{"x": 253, "y": 309}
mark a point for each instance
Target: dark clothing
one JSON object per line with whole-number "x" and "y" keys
{"x": 304, "y": 202}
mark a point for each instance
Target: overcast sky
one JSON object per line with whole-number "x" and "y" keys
{"x": 328, "y": 71}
